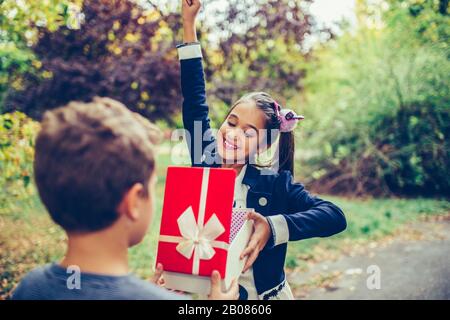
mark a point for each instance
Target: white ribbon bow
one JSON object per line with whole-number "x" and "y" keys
{"x": 198, "y": 239}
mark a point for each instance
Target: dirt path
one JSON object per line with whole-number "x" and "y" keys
{"x": 413, "y": 265}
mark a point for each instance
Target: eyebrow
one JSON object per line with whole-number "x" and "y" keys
{"x": 247, "y": 124}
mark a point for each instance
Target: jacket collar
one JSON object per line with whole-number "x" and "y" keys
{"x": 251, "y": 176}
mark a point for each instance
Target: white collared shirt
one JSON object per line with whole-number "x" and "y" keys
{"x": 247, "y": 279}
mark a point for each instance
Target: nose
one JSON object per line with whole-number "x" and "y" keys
{"x": 232, "y": 135}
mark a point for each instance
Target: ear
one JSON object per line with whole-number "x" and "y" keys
{"x": 129, "y": 204}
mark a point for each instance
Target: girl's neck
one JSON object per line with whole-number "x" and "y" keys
{"x": 236, "y": 167}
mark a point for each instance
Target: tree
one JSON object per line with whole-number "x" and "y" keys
{"x": 127, "y": 52}
{"x": 429, "y": 19}
{"x": 378, "y": 101}
{"x": 20, "y": 22}
{"x": 261, "y": 48}
{"x": 120, "y": 50}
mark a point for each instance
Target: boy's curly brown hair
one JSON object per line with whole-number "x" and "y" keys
{"x": 88, "y": 155}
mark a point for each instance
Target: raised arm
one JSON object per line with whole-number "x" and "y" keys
{"x": 195, "y": 109}
{"x": 190, "y": 10}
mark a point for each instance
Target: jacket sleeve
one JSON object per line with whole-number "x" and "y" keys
{"x": 195, "y": 110}
{"x": 307, "y": 216}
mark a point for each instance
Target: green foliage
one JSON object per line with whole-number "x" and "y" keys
{"x": 20, "y": 23}
{"x": 120, "y": 50}
{"x": 17, "y": 135}
{"x": 126, "y": 50}
{"x": 13, "y": 62}
{"x": 428, "y": 19}
{"x": 368, "y": 220}
{"x": 20, "y": 20}
{"x": 261, "y": 47}
{"x": 378, "y": 101}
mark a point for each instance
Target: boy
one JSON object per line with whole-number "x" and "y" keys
{"x": 94, "y": 170}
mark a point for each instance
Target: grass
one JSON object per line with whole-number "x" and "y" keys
{"x": 368, "y": 220}
{"x": 28, "y": 237}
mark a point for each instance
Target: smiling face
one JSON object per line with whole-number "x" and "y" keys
{"x": 240, "y": 134}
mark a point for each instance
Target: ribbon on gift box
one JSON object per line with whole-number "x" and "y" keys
{"x": 197, "y": 238}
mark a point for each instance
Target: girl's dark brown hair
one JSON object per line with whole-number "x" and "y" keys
{"x": 267, "y": 105}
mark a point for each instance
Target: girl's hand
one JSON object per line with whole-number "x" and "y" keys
{"x": 258, "y": 240}
{"x": 190, "y": 9}
{"x": 157, "y": 277}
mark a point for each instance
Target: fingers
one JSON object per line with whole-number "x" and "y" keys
{"x": 255, "y": 216}
{"x": 251, "y": 252}
{"x": 156, "y": 278}
{"x": 249, "y": 215}
{"x": 233, "y": 292}
{"x": 251, "y": 259}
{"x": 252, "y": 245}
{"x": 216, "y": 289}
{"x": 215, "y": 277}
{"x": 195, "y": 3}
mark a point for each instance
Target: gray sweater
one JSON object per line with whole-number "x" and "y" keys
{"x": 53, "y": 282}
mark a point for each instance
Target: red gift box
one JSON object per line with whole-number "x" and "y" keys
{"x": 195, "y": 228}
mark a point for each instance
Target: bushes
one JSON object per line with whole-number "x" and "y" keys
{"x": 120, "y": 50}
{"x": 17, "y": 135}
{"x": 378, "y": 101}
{"x": 20, "y": 23}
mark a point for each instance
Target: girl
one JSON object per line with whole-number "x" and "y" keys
{"x": 284, "y": 210}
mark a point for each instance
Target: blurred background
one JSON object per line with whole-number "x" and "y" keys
{"x": 372, "y": 78}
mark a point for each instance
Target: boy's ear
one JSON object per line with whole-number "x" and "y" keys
{"x": 129, "y": 204}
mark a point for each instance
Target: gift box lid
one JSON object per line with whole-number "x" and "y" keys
{"x": 238, "y": 218}
{"x": 197, "y": 201}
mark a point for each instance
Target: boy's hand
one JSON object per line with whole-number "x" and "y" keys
{"x": 258, "y": 240}
{"x": 157, "y": 277}
{"x": 190, "y": 9}
{"x": 216, "y": 289}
